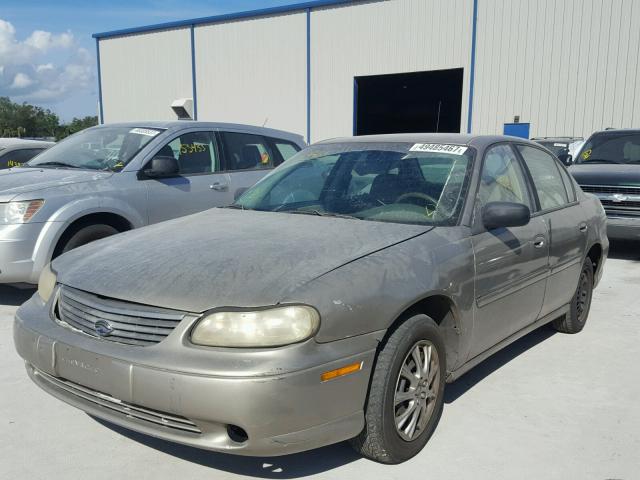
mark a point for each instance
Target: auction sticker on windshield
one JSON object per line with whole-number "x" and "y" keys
{"x": 438, "y": 148}
{"x": 145, "y": 131}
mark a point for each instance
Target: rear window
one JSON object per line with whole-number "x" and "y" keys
{"x": 611, "y": 147}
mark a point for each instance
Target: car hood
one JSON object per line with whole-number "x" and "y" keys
{"x": 606, "y": 174}
{"x": 15, "y": 181}
{"x": 224, "y": 257}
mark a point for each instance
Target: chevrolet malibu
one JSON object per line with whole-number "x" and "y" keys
{"x": 332, "y": 301}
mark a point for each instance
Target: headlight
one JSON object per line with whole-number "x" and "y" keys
{"x": 19, "y": 212}
{"x": 257, "y": 328}
{"x": 46, "y": 283}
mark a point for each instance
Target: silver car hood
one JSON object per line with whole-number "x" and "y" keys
{"x": 223, "y": 257}
{"x": 15, "y": 181}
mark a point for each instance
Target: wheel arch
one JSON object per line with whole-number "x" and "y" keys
{"x": 443, "y": 310}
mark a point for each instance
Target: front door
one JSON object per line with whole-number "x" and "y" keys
{"x": 511, "y": 263}
{"x": 199, "y": 184}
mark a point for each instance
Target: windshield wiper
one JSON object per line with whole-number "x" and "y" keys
{"x": 598, "y": 160}
{"x": 54, "y": 164}
{"x": 321, "y": 214}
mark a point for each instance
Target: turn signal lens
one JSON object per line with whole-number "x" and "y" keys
{"x": 341, "y": 372}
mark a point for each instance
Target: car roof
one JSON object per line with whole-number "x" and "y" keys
{"x": 181, "y": 124}
{"x": 21, "y": 142}
{"x": 617, "y": 130}
{"x": 478, "y": 141}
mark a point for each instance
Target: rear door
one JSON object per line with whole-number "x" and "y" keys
{"x": 247, "y": 158}
{"x": 199, "y": 185}
{"x": 511, "y": 263}
{"x": 565, "y": 221}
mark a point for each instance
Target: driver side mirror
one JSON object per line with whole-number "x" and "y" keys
{"x": 162, "y": 166}
{"x": 504, "y": 215}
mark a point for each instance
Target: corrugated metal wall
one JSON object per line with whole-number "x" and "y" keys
{"x": 374, "y": 38}
{"x": 254, "y": 71}
{"x": 143, "y": 74}
{"x": 568, "y": 67}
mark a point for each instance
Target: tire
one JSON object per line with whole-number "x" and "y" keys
{"x": 575, "y": 320}
{"x": 381, "y": 440}
{"x": 82, "y": 235}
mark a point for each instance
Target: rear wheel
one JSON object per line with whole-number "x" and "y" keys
{"x": 82, "y": 235}
{"x": 575, "y": 320}
{"x": 406, "y": 394}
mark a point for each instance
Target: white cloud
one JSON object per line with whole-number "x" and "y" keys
{"x": 44, "y": 67}
{"x": 21, "y": 80}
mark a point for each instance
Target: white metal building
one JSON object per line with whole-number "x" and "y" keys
{"x": 330, "y": 68}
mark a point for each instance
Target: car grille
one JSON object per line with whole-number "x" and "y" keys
{"x": 617, "y": 201}
{"x": 114, "y": 320}
{"x": 129, "y": 410}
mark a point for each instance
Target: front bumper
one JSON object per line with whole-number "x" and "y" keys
{"x": 284, "y": 408}
{"x": 623, "y": 228}
{"x": 17, "y": 246}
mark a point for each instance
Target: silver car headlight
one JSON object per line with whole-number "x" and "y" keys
{"x": 46, "y": 283}
{"x": 19, "y": 212}
{"x": 270, "y": 327}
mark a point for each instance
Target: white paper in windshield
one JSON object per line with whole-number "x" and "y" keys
{"x": 438, "y": 148}
{"x": 145, "y": 131}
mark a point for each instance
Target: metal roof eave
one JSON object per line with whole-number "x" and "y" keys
{"x": 224, "y": 18}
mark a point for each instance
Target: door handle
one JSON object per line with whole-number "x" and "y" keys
{"x": 219, "y": 186}
{"x": 583, "y": 227}
{"x": 538, "y": 242}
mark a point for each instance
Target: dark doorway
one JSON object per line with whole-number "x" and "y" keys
{"x": 408, "y": 102}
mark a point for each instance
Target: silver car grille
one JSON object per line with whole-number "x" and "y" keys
{"x": 129, "y": 410}
{"x": 618, "y": 201}
{"x": 114, "y": 320}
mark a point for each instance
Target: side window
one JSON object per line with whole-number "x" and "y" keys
{"x": 568, "y": 184}
{"x": 245, "y": 151}
{"x": 286, "y": 149}
{"x": 16, "y": 158}
{"x": 546, "y": 177}
{"x": 503, "y": 178}
{"x": 194, "y": 151}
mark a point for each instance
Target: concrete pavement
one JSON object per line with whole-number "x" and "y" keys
{"x": 550, "y": 406}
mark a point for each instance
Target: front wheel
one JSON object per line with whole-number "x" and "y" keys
{"x": 406, "y": 394}
{"x": 575, "y": 320}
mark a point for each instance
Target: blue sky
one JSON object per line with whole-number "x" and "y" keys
{"x": 47, "y": 55}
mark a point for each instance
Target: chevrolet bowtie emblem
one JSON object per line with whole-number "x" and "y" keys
{"x": 619, "y": 197}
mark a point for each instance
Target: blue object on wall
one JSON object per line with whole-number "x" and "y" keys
{"x": 517, "y": 129}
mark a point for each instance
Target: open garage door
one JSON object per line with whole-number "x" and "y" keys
{"x": 408, "y": 102}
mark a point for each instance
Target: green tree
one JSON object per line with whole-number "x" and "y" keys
{"x": 25, "y": 120}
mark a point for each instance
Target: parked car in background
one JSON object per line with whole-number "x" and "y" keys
{"x": 608, "y": 166}
{"x": 564, "y": 148}
{"x": 333, "y": 300}
{"x": 16, "y": 151}
{"x": 117, "y": 177}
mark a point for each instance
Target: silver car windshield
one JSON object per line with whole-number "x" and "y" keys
{"x": 101, "y": 148}
{"x": 386, "y": 182}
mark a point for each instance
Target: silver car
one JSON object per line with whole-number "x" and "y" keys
{"x": 14, "y": 152}
{"x": 332, "y": 301}
{"x": 117, "y": 177}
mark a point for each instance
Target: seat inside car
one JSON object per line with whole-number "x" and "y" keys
{"x": 250, "y": 157}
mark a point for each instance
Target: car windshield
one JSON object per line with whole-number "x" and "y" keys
{"x": 611, "y": 147}
{"x": 100, "y": 148}
{"x": 557, "y": 147}
{"x": 386, "y": 182}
